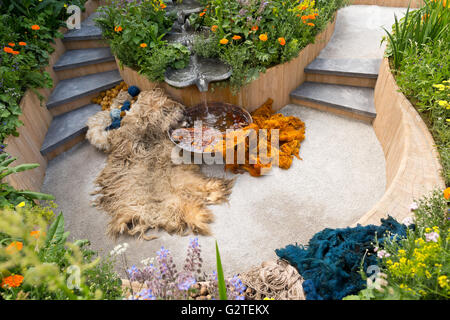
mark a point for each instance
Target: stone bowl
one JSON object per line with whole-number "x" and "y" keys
{"x": 195, "y": 112}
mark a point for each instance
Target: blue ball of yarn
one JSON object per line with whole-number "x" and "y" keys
{"x": 114, "y": 125}
{"x": 133, "y": 91}
{"x": 115, "y": 114}
{"x": 126, "y": 106}
{"x": 310, "y": 291}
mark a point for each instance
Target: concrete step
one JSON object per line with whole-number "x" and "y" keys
{"x": 70, "y": 90}
{"x": 350, "y": 101}
{"x": 77, "y": 63}
{"x": 355, "y": 72}
{"x": 67, "y": 130}
{"x": 88, "y": 30}
{"x": 88, "y": 36}
{"x": 79, "y": 58}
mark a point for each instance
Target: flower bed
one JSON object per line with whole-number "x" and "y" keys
{"x": 279, "y": 39}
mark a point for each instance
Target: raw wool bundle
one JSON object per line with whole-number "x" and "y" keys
{"x": 140, "y": 187}
{"x": 291, "y": 134}
{"x": 333, "y": 258}
{"x": 273, "y": 279}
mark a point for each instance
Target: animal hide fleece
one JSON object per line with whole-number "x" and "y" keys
{"x": 140, "y": 187}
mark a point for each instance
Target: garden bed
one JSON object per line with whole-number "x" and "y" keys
{"x": 412, "y": 161}
{"x": 276, "y": 83}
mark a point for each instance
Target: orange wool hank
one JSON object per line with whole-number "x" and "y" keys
{"x": 291, "y": 134}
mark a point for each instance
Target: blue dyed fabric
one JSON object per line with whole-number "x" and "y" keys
{"x": 332, "y": 259}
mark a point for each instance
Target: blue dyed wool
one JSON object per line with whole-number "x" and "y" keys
{"x": 126, "y": 106}
{"x": 133, "y": 91}
{"x": 332, "y": 259}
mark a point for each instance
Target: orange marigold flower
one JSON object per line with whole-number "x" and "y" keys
{"x": 311, "y": 16}
{"x": 14, "y": 246}
{"x": 214, "y": 28}
{"x": 255, "y": 28}
{"x": 15, "y": 52}
{"x": 282, "y": 41}
{"x": 163, "y": 5}
{"x": 305, "y": 18}
{"x": 8, "y": 50}
{"x": 311, "y": 24}
{"x": 11, "y": 44}
{"x": 35, "y": 27}
{"x": 236, "y": 37}
{"x": 12, "y": 281}
{"x": 143, "y": 45}
{"x": 263, "y": 37}
{"x": 21, "y": 43}
{"x": 202, "y": 14}
{"x": 223, "y": 41}
{"x": 118, "y": 28}
{"x": 36, "y": 234}
{"x": 447, "y": 193}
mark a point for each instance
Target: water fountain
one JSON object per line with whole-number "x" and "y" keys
{"x": 200, "y": 71}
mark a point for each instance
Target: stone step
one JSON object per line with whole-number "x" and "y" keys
{"x": 350, "y": 101}
{"x": 355, "y": 72}
{"x": 66, "y": 130}
{"x": 88, "y": 31}
{"x": 83, "y": 57}
{"x": 75, "y": 88}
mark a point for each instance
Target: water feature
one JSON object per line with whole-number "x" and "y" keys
{"x": 200, "y": 71}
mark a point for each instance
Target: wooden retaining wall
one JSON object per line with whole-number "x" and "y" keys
{"x": 276, "y": 83}
{"x": 412, "y": 160}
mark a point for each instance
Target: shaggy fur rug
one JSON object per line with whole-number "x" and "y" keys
{"x": 140, "y": 187}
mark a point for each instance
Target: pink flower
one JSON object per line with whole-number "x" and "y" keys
{"x": 432, "y": 236}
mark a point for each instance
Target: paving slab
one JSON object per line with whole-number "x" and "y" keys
{"x": 71, "y": 89}
{"x": 83, "y": 57}
{"x": 362, "y": 68}
{"x": 68, "y": 126}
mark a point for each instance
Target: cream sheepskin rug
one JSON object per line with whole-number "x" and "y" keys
{"x": 140, "y": 187}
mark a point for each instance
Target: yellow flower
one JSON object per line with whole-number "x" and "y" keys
{"x": 401, "y": 252}
{"x": 267, "y": 298}
{"x": 440, "y": 87}
{"x": 263, "y": 37}
{"x": 443, "y": 103}
{"x": 443, "y": 281}
{"x": 428, "y": 274}
{"x": 21, "y": 205}
{"x": 143, "y": 45}
{"x": 224, "y": 41}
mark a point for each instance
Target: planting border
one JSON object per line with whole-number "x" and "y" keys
{"x": 412, "y": 160}
{"x": 276, "y": 83}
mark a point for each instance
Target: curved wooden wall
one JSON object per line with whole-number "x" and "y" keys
{"x": 412, "y": 161}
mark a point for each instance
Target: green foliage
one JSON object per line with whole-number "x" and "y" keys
{"x": 52, "y": 268}
{"x": 257, "y": 35}
{"x": 129, "y": 24}
{"x": 418, "y": 47}
{"x": 416, "y": 267}
{"x": 220, "y": 276}
{"x": 418, "y": 27}
{"x": 24, "y": 70}
{"x": 10, "y": 196}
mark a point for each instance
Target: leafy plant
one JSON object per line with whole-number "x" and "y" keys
{"x": 416, "y": 266}
{"x": 38, "y": 263}
{"x": 221, "y": 279}
{"x": 10, "y": 196}
{"x": 252, "y": 36}
{"x": 135, "y": 32}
